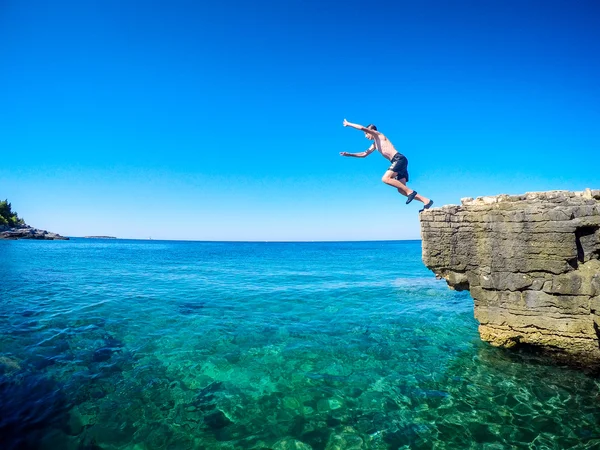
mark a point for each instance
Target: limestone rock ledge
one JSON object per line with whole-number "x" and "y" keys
{"x": 27, "y": 232}
{"x": 531, "y": 263}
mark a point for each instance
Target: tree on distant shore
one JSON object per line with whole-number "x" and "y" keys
{"x": 8, "y": 217}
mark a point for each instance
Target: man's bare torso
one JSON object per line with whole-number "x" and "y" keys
{"x": 384, "y": 146}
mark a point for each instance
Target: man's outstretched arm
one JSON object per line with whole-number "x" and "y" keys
{"x": 370, "y": 150}
{"x": 360, "y": 127}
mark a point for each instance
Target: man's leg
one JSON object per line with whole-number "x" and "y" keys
{"x": 401, "y": 186}
{"x": 419, "y": 197}
{"x": 390, "y": 178}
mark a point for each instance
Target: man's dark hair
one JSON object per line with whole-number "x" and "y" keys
{"x": 372, "y": 127}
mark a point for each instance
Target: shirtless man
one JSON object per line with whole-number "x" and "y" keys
{"x": 397, "y": 173}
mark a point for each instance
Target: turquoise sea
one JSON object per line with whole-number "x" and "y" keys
{"x": 196, "y": 345}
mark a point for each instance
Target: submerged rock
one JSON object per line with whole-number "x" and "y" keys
{"x": 531, "y": 263}
{"x": 207, "y": 397}
{"x": 30, "y": 406}
{"x": 103, "y": 354}
{"x": 217, "y": 420}
{"x": 291, "y": 444}
{"x": 347, "y": 440}
{"x": 9, "y": 364}
{"x": 188, "y": 308}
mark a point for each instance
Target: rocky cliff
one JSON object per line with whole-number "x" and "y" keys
{"x": 531, "y": 263}
{"x": 27, "y": 232}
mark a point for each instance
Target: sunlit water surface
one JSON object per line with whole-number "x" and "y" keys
{"x": 191, "y": 345}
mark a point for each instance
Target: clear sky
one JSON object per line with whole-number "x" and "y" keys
{"x": 222, "y": 120}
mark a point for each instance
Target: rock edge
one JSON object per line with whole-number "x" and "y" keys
{"x": 27, "y": 232}
{"x": 531, "y": 263}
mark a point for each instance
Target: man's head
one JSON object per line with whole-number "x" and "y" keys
{"x": 369, "y": 135}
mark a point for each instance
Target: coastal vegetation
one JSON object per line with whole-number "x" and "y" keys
{"x": 8, "y": 216}
{"x": 13, "y": 227}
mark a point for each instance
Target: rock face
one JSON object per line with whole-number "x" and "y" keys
{"x": 27, "y": 232}
{"x": 531, "y": 263}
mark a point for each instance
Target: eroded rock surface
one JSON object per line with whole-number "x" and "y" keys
{"x": 531, "y": 263}
{"x": 27, "y": 232}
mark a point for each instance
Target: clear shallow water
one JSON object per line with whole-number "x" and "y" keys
{"x": 189, "y": 345}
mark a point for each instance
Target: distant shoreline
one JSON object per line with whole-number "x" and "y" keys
{"x": 28, "y": 232}
{"x": 99, "y": 237}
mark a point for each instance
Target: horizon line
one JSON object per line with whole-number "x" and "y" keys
{"x": 241, "y": 242}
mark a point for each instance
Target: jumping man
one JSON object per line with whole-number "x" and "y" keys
{"x": 397, "y": 173}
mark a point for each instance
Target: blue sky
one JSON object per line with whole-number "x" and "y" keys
{"x": 223, "y": 120}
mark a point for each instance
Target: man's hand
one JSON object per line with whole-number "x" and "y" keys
{"x": 358, "y": 127}
{"x": 344, "y": 153}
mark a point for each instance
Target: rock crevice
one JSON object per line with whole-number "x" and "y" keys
{"x": 531, "y": 263}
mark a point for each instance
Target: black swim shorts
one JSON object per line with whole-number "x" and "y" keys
{"x": 400, "y": 166}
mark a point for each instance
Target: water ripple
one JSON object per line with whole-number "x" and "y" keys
{"x": 159, "y": 345}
